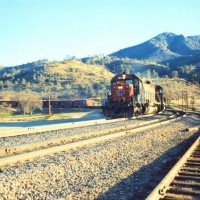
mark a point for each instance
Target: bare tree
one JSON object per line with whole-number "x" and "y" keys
{"x": 29, "y": 101}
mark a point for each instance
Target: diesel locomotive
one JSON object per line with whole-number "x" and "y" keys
{"x": 132, "y": 95}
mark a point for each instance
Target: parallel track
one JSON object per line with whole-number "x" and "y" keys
{"x": 63, "y": 144}
{"x": 33, "y": 129}
{"x": 183, "y": 180}
{"x": 77, "y": 137}
{"x": 17, "y": 131}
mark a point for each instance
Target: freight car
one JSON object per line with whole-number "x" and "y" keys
{"x": 132, "y": 95}
{"x": 78, "y": 103}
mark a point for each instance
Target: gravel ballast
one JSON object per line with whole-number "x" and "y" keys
{"x": 116, "y": 169}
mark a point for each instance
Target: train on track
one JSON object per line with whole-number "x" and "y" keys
{"x": 132, "y": 95}
{"x": 78, "y": 103}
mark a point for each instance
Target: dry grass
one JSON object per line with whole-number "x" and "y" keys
{"x": 74, "y": 68}
{"x": 174, "y": 88}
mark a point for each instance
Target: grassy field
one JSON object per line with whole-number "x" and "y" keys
{"x": 8, "y": 114}
{"x": 13, "y": 115}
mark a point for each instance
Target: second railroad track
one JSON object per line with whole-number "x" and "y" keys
{"x": 27, "y": 152}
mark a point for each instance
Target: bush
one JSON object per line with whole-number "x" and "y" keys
{"x": 29, "y": 101}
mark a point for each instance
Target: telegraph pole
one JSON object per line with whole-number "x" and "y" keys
{"x": 50, "y": 103}
{"x": 184, "y": 99}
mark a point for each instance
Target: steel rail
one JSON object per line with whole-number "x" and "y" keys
{"x": 163, "y": 186}
{"x": 48, "y": 151}
{"x": 7, "y": 132}
{"x": 13, "y": 149}
{"x": 43, "y": 128}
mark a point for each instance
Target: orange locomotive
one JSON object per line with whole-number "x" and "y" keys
{"x": 132, "y": 95}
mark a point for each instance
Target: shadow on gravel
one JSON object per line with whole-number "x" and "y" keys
{"x": 93, "y": 115}
{"x": 140, "y": 184}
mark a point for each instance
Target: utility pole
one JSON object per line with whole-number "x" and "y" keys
{"x": 50, "y": 103}
{"x": 182, "y": 100}
{"x": 185, "y": 98}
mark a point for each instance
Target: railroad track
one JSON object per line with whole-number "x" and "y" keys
{"x": 183, "y": 180}
{"x": 17, "y": 131}
{"x": 67, "y": 132}
{"x": 27, "y": 152}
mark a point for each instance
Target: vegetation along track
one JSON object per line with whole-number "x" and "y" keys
{"x": 183, "y": 180}
{"x": 20, "y": 153}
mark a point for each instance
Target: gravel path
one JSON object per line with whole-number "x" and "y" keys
{"x": 112, "y": 170}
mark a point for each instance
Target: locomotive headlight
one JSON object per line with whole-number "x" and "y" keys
{"x": 123, "y": 76}
{"x": 120, "y": 87}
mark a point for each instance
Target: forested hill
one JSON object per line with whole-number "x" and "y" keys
{"x": 163, "y": 47}
{"x": 166, "y": 55}
{"x": 72, "y": 78}
{"x": 187, "y": 67}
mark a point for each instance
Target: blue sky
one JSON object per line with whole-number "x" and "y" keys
{"x": 51, "y": 29}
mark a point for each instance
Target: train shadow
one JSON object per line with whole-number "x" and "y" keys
{"x": 89, "y": 115}
{"x": 132, "y": 188}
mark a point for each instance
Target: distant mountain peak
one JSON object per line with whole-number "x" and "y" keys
{"x": 164, "y": 46}
{"x": 167, "y": 34}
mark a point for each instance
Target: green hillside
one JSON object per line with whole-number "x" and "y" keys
{"x": 187, "y": 67}
{"x": 70, "y": 78}
{"x": 165, "y": 56}
{"x": 120, "y": 65}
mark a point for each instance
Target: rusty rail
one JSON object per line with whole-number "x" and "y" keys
{"x": 180, "y": 183}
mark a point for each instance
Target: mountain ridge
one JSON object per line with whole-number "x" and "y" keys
{"x": 173, "y": 61}
{"x": 164, "y": 46}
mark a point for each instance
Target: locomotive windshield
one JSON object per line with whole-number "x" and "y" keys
{"x": 126, "y": 82}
